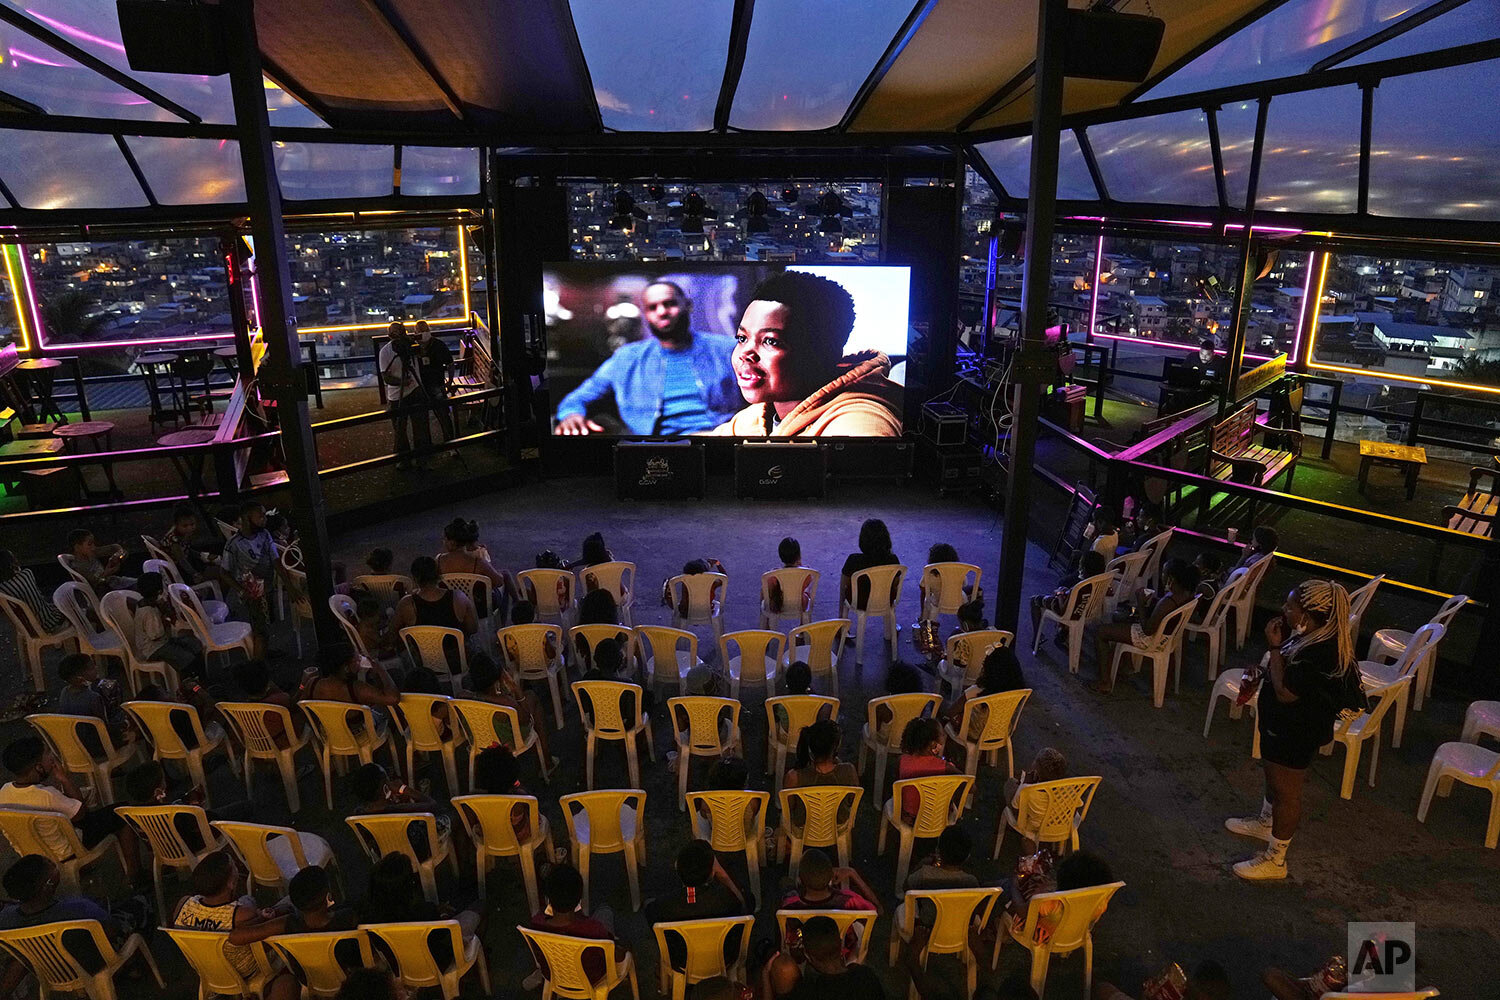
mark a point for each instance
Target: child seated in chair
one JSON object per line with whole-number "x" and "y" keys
{"x": 790, "y": 554}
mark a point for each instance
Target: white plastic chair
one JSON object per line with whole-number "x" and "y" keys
{"x": 32, "y": 640}
{"x": 1227, "y": 686}
{"x": 553, "y": 592}
{"x": 821, "y": 646}
{"x": 1359, "y": 603}
{"x": 963, "y": 657}
{"x": 1387, "y": 645}
{"x": 616, "y": 577}
{"x": 1471, "y": 765}
{"x": 1163, "y": 650}
{"x": 1129, "y": 571}
{"x": 208, "y": 589}
{"x": 698, "y": 599}
{"x": 1363, "y": 728}
{"x": 947, "y": 586}
{"x": 81, "y": 608}
{"x": 1244, "y": 601}
{"x": 1481, "y": 718}
{"x": 215, "y": 638}
{"x": 65, "y": 560}
{"x": 214, "y": 607}
{"x": 524, "y": 649}
{"x": 1085, "y": 604}
{"x": 664, "y": 654}
{"x": 794, "y": 582}
{"x": 117, "y": 612}
{"x": 756, "y": 653}
{"x": 1059, "y": 923}
{"x": 1214, "y": 628}
{"x": 1416, "y": 662}
{"x": 884, "y": 583}
{"x": 1155, "y": 548}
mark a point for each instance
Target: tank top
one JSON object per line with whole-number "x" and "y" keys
{"x": 200, "y": 916}
{"x": 439, "y": 612}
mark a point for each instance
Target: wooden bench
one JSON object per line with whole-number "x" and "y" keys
{"x": 1234, "y": 454}
{"x": 474, "y": 371}
{"x": 1476, "y": 513}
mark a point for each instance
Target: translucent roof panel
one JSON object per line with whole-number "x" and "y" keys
{"x": 803, "y": 65}
{"x": 1010, "y": 159}
{"x": 1311, "y": 158}
{"x": 1236, "y": 146}
{"x": 67, "y": 170}
{"x": 1426, "y": 161}
{"x": 37, "y": 73}
{"x": 190, "y": 171}
{"x": 309, "y": 170}
{"x": 656, "y": 73}
{"x": 1285, "y": 42}
{"x": 1472, "y": 21}
{"x": 435, "y": 170}
{"x": 284, "y": 109}
{"x": 1165, "y": 158}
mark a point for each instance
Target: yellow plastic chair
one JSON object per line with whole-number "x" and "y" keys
{"x": 802, "y": 710}
{"x": 698, "y": 599}
{"x": 703, "y": 736}
{"x": 387, "y": 588}
{"x": 217, "y": 976}
{"x": 612, "y": 702}
{"x": 609, "y": 821}
{"x": 946, "y": 587}
{"x": 940, "y": 802}
{"x": 478, "y": 720}
{"x": 247, "y": 720}
{"x": 299, "y": 603}
{"x": 885, "y": 593}
{"x": 553, "y": 592}
{"x": 1422, "y": 994}
{"x": 430, "y": 645}
{"x": 955, "y": 912}
{"x": 416, "y": 966}
{"x": 32, "y": 640}
{"x": 756, "y": 653}
{"x": 964, "y": 653}
{"x": 487, "y": 820}
{"x": 271, "y": 855}
{"x": 52, "y": 835}
{"x": 1002, "y": 715}
{"x": 523, "y": 648}
{"x": 821, "y": 828}
{"x": 616, "y": 577}
{"x": 559, "y": 958}
{"x": 60, "y": 732}
{"x": 390, "y": 833}
{"x": 155, "y": 720}
{"x": 41, "y": 950}
{"x": 420, "y": 732}
{"x": 735, "y": 823}
{"x": 861, "y": 921}
{"x": 705, "y": 942}
{"x": 886, "y": 740}
{"x": 334, "y": 738}
{"x": 664, "y": 654}
{"x": 157, "y": 826}
{"x": 793, "y": 581}
{"x": 1049, "y": 812}
{"x": 479, "y": 589}
{"x": 1059, "y": 923}
{"x": 312, "y": 958}
{"x": 589, "y": 636}
{"x": 820, "y": 645}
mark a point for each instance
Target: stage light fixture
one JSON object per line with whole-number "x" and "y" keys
{"x": 625, "y": 211}
{"x": 831, "y": 207}
{"x": 656, "y": 192}
{"x": 756, "y": 211}
{"x": 789, "y": 195}
{"x": 693, "y": 211}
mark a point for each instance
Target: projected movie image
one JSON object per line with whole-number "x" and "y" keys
{"x": 745, "y": 350}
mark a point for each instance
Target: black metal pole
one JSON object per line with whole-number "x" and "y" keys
{"x": 1033, "y": 366}
{"x": 235, "y": 259}
{"x": 1243, "y": 292}
{"x": 281, "y": 375}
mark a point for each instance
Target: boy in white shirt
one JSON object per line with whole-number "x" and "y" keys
{"x": 40, "y": 783}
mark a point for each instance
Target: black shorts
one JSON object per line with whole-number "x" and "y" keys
{"x": 1288, "y": 751}
{"x": 96, "y": 824}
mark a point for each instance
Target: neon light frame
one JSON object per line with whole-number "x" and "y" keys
{"x": 1312, "y": 341}
{"x": 202, "y": 338}
{"x": 15, "y": 294}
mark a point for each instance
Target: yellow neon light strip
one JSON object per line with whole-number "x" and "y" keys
{"x": 463, "y": 266}
{"x": 15, "y": 293}
{"x": 1371, "y": 373}
{"x": 1317, "y": 307}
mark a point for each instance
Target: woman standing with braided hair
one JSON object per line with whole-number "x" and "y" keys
{"x": 1310, "y": 676}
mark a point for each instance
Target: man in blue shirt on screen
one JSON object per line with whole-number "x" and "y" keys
{"x": 674, "y": 382}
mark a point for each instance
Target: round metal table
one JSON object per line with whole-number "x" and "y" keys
{"x": 189, "y": 465}
{"x": 39, "y": 375}
{"x": 100, "y": 436}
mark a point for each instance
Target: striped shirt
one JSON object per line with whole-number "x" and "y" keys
{"x": 22, "y": 586}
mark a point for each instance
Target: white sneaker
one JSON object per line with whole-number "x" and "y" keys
{"x": 1249, "y": 826}
{"x": 1261, "y": 867}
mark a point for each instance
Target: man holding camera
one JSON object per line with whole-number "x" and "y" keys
{"x": 400, "y": 371}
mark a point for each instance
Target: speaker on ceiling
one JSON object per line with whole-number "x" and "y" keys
{"x": 1105, "y": 45}
{"x": 173, "y": 36}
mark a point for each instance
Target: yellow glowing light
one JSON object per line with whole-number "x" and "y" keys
{"x": 15, "y": 294}
{"x": 373, "y": 326}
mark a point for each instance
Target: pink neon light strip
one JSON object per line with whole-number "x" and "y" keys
{"x": 36, "y": 316}
{"x": 65, "y": 28}
{"x": 1302, "y": 313}
{"x": 1094, "y": 299}
{"x": 1171, "y": 346}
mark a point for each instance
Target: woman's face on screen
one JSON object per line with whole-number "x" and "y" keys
{"x": 764, "y": 364}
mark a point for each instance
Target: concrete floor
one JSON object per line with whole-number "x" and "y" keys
{"x": 1157, "y": 818}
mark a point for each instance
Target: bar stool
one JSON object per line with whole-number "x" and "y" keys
{"x": 39, "y": 377}
{"x": 155, "y": 366}
{"x": 231, "y": 357}
{"x": 92, "y": 431}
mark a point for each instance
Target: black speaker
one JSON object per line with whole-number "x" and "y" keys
{"x": 773, "y": 470}
{"x": 921, "y": 229}
{"x": 1105, "y": 45}
{"x": 173, "y": 36}
{"x": 660, "y": 470}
